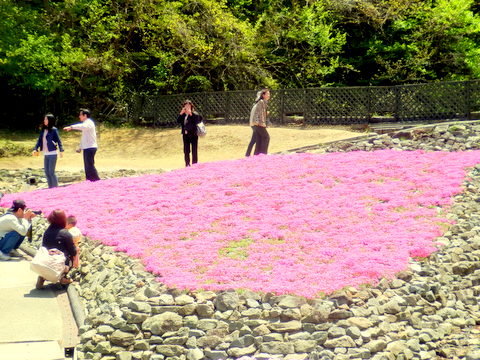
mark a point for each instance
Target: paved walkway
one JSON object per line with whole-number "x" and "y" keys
{"x": 35, "y": 324}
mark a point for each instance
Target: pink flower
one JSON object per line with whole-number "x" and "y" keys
{"x": 301, "y": 224}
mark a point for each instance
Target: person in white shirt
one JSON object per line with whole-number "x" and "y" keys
{"x": 14, "y": 225}
{"x": 88, "y": 143}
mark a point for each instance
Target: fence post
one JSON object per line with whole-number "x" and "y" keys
{"x": 157, "y": 116}
{"x": 282, "y": 110}
{"x": 369, "y": 104}
{"x": 227, "y": 107}
{"x": 204, "y": 102}
{"x": 308, "y": 108}
{"x": 468, "y": 99}
{"x": 398, "y": 104}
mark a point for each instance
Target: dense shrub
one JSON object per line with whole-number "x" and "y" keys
{"x": 8, "y": 149}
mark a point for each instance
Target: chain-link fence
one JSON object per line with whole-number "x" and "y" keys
{"x": 316, "y": 106}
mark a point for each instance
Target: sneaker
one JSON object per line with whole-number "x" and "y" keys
{"x": 4, "y": 257}
{"x": 15, "y": 253}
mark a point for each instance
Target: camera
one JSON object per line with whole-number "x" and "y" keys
{"x": 37, "y": 212}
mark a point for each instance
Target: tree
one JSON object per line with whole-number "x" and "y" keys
{"x": 408, "y": 41}
{"x": 34, "y": 62}
{"x": 299, "y": 45}
{"x": 63, "y": 54}
{"x": 198, "y": 45}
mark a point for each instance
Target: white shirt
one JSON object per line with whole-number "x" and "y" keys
{"x": 89, "y": 135}
{"x": 10, "y": 222}
{"x": 45, "y": 147}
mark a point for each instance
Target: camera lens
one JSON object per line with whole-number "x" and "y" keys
{"x": 37, "y": 212}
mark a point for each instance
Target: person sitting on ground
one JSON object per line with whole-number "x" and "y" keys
{"x": 77, "y": 237}
{"x": 14, "y": 225}
{"x": 57, "y": 237}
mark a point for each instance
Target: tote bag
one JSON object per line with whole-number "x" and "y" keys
{"x": 49, "y": 264}
{"x": 201, "y": 130}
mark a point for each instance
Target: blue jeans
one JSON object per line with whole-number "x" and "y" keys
{"x": 10, "y": 241}
{"x": 49, "y": 164}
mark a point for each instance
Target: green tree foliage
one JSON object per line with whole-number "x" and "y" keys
{"x": 30, "y": 55}
{"x": 57, "y": 55}
{"x": 300, "y": 45}
{"x": 408, "y": 41}
{"x": 443, "y": 43}
{"x": 196, "y": 46}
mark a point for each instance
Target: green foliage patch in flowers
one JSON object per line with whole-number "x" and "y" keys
{"x": 236, "y": 249}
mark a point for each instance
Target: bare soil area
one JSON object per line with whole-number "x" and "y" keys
{"x": 142, "y": 149}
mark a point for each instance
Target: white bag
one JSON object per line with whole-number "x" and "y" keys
{"x": 49, "y": 264}
{"x": 201, "y": 129}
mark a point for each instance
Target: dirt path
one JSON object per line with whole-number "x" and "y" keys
{"x": 141, "y": 149}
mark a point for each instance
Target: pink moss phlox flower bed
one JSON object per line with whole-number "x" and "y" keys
{"x": 301, "y": 224}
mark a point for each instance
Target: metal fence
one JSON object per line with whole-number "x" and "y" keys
{"x": 316, "y": 106}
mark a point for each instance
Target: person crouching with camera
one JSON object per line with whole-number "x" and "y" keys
{"x": 14, "y": 225}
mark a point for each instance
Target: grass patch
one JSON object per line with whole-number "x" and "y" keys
{"x": 16, "y": 143}
{"x": 9, "y": 149}
{"x": 236, "y": 249}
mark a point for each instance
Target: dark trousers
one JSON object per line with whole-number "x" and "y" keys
{"x": 253, "y": 141}
{"x": 89, "y": 164}
{"x": 263, "y": 139}
{"x": 190, "y": 140}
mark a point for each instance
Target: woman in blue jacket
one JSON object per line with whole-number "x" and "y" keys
{"x": 49, "y": 143}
